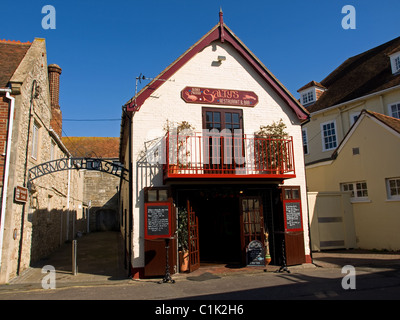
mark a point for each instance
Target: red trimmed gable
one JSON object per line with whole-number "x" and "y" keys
{"x": 222, "y": 33}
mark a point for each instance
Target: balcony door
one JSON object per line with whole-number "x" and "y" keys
{"x": 224, "y": 149}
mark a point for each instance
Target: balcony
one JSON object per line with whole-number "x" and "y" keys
{"x": 215, "y": 155}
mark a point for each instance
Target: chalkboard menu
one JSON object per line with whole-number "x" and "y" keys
{"x": 293, "y": 216}
{"x": 255, "y": 253}
{"x": 157, "y": 220}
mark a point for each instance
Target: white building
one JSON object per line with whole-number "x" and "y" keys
{"x": 223, "y": 181}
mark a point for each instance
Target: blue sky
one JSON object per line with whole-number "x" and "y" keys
{"x": 102, "y": 46}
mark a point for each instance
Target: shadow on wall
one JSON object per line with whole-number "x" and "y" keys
{"x": 106, "y": 217}
{"x": 50, "y": 229}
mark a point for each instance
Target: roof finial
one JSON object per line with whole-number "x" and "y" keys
{"x": 221, "y": 24}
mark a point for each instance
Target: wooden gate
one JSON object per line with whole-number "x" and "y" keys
{"x": 193, "y": 241}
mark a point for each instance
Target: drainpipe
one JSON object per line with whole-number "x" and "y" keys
{"x": 7, "y": 167}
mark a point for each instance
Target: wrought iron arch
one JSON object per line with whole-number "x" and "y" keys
{"x": 95, "y": 164}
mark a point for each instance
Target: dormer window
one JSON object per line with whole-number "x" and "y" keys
{"x": 395, "y": 62}
{"x": 311, "y": 92}
{"x": 308, "y": 97}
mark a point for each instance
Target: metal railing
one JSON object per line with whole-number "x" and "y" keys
{"x": 228, "y": 155}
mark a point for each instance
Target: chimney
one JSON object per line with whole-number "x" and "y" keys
{"x": 54, "y": 86}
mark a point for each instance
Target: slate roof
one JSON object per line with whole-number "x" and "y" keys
{"x": 96, "y": 147}
{"x": 363, "y": 74}
{"x": 11, "y": 55}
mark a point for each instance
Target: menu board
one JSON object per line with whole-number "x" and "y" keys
{"x": 255, "y": 253}
{"x": 293, "y": 216}
{"x": 157, "y": 221}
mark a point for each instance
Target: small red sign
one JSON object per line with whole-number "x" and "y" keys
{"x": 219, "y": 96}
{"x": 21, "y": 194}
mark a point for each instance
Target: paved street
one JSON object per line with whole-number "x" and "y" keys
{"x": 377, "y": 277}
{"x": 309, "y": 283}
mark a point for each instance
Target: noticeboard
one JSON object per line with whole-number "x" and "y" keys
{"x": 293, "y": 216}
{"x": 20, "y": 194}
{"x": 158, "y": 222}
{"x": 255, "y": 254}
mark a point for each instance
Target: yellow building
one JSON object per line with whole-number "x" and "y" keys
{"x": 365, "y": 164}
{"x": 370, "y": 80}
{"x": 343, "y": 154}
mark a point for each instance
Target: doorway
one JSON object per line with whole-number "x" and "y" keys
{"x": 229, "y": 218}
{"x": 219, "y": 229}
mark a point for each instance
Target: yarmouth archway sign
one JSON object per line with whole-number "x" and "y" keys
{"x": 95, "y": 164}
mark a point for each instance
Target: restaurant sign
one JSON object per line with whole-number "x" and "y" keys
{"x": 219, "y": 96}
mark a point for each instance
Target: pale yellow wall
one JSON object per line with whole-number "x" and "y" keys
{"x": 377, "y": 103}
{"x": 377, "y": 220}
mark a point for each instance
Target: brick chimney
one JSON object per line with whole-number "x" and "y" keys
{"x": 54, "y": 86}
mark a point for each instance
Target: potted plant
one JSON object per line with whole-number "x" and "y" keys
{"x": 183, "y": 237}
{"x": 270, "y": 147}
{"x": 177, "y": 144}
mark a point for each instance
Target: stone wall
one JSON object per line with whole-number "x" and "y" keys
{"x": 101, "y": 189}
{"x": 53, "y": 213}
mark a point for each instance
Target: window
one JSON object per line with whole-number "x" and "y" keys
{"x": 393, "y": 188}
{"x": 359, "y": 190}
{"x": 35, "y": 141}
{"x": 308, "y": 97}
{"x": 156, "y": 194}
{"x": 328, "y": 132}
{"x": 394, "y": 110}
{"x": 305, "y": 140}
{"x": 353, "y": 117}
{"x": 395, "y": 62}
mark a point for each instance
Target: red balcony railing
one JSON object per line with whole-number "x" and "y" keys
{"x": 228, "y": 156}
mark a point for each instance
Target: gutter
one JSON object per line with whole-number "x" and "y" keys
{"x": 7, "y": 167}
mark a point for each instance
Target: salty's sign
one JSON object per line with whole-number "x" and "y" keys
{"x": 219, "y": 96}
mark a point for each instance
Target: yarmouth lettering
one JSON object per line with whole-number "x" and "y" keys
{"x": 78, "y": 163}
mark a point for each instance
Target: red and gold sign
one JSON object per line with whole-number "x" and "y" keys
{"x": 219, "y": 96}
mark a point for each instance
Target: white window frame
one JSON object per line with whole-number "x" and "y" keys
{"x": 35, "y": 141}
{"x": 395, "y": 197}
{"x": 395, "y": 114}
{"x": 395, "y": 62}
{"x": 358, "y": 192}
{"x": 323, "y": 135}
{"x": 308, "y": 96}
{"x": 304, "y": 136}
{"x": 354, "y": 117}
